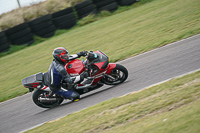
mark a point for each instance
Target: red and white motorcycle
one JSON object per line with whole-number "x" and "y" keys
{"x": 101, "y": 72}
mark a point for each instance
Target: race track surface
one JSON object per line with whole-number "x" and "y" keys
{"x": 20, "y": 114}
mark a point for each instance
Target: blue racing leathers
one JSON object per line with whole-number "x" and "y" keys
{"x": 56, "y": 73}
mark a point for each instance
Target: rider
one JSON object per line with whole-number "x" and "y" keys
{"x": 57, "y": 72}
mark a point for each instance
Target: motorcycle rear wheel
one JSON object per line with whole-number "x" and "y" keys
{"x": 39, "y": 93}
{"x": 120, "y": 73}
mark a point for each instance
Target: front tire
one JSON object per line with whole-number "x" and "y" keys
{"x": 41, "y": 94}
{"x": 120, "y": 73}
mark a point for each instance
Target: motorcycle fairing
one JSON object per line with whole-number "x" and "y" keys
{"x": 111, "y": 66}
{"x": 45, "y": 88}
{"x": 75, "y": 67}
{"x": 100, "y": 74}
{"x": 100, "y": 63}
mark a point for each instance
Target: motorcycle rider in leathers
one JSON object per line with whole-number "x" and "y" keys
{"x": 57, "y": 72}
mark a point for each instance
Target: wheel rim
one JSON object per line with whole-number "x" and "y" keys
{"x": 118, "y": 76}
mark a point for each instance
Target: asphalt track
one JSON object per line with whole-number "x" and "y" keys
{"x": 20, "y": 114}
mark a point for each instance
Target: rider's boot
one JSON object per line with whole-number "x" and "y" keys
{"x": 68, "y": 94}
{"x": 75, "y": 97}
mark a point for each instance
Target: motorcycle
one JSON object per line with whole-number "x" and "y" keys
{"x": 100, "y": 70}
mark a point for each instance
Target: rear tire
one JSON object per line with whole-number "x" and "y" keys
{"x": 39, "y": 93}
{"x": 120, "y": 73}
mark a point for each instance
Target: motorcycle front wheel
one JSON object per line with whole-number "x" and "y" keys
{"x": 119, "y": 75}
{"x": 47, "y": 102}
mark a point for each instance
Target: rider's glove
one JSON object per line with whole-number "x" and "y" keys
{"x": 83, "y": 53}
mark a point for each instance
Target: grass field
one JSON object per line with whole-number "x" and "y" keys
{"x": 120, "y": 36}
{"x": 171, "y": 107}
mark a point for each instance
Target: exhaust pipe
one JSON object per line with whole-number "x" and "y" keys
{"x": 46, "y": 100}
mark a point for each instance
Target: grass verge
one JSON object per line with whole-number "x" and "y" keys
{"x": 120, "y": 36}
{"x": 171, "y": 107}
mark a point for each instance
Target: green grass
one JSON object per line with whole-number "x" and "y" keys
{"x": 171, "y": 107}
{"x": 120, "y": 36}
{"x": 84, "y": 21}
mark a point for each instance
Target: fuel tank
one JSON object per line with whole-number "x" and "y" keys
{"x": 74, "y": 67}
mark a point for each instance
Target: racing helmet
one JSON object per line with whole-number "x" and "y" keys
{"x": 61, "y": 54}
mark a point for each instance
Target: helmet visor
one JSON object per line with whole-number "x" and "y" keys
{"x": 64, "y": 56}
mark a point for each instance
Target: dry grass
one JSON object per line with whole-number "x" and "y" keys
{"x": 18, "y": 16}
{"x": 30, "y": 13}
{"x": 11, "y": 19}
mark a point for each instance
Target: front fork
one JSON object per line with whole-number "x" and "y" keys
{"x": 109, "y": 76}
